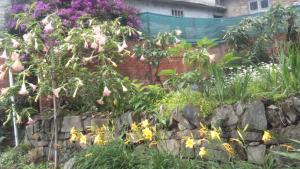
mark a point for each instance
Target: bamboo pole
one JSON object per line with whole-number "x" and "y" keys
{"x": 12, "y": 98}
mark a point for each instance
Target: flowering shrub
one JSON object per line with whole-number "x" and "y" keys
{"x": 74, "y": 65}
{"x": 70, "y": 11}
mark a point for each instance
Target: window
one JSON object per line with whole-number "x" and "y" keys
{"x": 177, "y": 13}
{"x": 258, "y": 5}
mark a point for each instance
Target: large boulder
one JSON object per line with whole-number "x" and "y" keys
{"x": 254, "y": 116}
{"x": 289, "y": 111}
{"x": 256, "y": 154}
{"x": 169, "y": 146}
{"x": 191, "y": 114}
{"x": 178, "y": 121}
{"x": 224, "y": 116}
{"x": 275, "y": 117}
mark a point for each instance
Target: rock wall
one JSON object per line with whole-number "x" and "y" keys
{"x": 281, "y": 119}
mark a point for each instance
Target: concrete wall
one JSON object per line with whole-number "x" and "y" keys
{"x": 241, "y": 7}
{"x": 165, "y": 8}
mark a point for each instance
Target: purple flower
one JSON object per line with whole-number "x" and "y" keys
{"x": 41, "y": 8}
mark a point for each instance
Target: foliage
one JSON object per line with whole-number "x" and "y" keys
{"x": 253, "y": 36}
{"x": 71, "y": 10}
{"x": 178, "y": 99}
{"x": 153, "y": 50}
{"x": 146, "y": 98}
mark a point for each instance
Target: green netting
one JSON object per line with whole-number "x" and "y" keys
{"x": 192, "y": 29}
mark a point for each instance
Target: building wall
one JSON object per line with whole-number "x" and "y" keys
{"x": 165, "y": 8}
{"x": 3, "y": 8}
{"x": 241, "y": 7}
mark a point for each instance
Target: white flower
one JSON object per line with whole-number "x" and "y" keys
{"x": 178, "y": 32}
{"x": 15, "y": 56}
{"x": 17, "y": 66}
{"x": 33, "y": 86}
{"x": 23, "y": 91}
{"x": 45, "y": 21}
{"x": 48, "y": 28}
{"x": 94, "y": 45}
{"x": 142, "y": 58}
{"x": 56, "y": 92}
{"x": 15, "y": 43}
{"x": 4, "y": 90}
{"x": 4, "y": 55}
{"x": 106, "y": 91}
{"x": 86, "y": 45}
{"x": 27, "y": 38}
{"x": 124, "y": 89}
{"x": 212, "y": 58}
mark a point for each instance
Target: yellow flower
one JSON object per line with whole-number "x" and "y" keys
{"x": 73, "y": 130}
{"x": 202, "y": 152}
{"x": 145, "y": 123}
{"x": 229, "y": 150}
{"x": 74, "y": 134}
{"x": 189, "y": 143}
{"x": 215, "y": 134}
{"x": 134, "y": 127}
{"x": 99, "y": 140}
{"x": 267, "y": 136}
{"x": 82, "y": 139}
{"x": 147, "y": 133}
{"x": 202, "y": 130}
{"x": 73, "y": 137}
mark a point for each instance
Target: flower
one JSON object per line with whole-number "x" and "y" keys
{"x": 287, "y": 147}
{"x": 45, "y": 21}
{"x": 100, "y": 101}
{"x": 30, "y": 121}
{"x": 202, "y": 152}
{"x": 203, "y": 130}
{"x": 2, "y": 74}
{"x": 178, "y": 32}
{"x": 106, "y": 91}
{"x": 15, "y": 43}
{"x": 27, "y": 38}
{"x": 17, "y": 66}
{"x": 229, "y": 150}
{"x": 145, "y": 123}
{"x": 4, "y": 90}
{"x": 124, "y": 88}
{"x": 99, "y": 139}
{"x": 23, "y": 91}
{"x": 212, "y": 58}
{"x": 86, "y": 45}
{"x": 134, "y": 127}
{"x": 189, "y": 143}
{"x": 56, "y": 92}
{"x": 215, "y": 134}
{"x": 147, "y": 133}
{"x": 82, "y": 139}
{"x": 158, "y": 43}
{"x": 15, "y": 56}
{"x": 33, "y": 86}
{"x": 48, "y": 28}
{"x": 142, "y": 58}
{"x": 4, "y": 55}
{"x": 133, "y": 55}
{"x": 94, "y": 45}
{"x": 267, "y": 136}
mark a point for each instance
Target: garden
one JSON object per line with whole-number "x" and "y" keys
{"x": 241, "y": 110}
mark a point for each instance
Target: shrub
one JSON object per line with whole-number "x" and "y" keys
{"x": 179, "y": 99}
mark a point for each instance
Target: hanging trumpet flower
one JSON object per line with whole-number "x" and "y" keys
{"x": 23, "y": 91}
{"x": 15, "y": 56}
{"x": 106, "y": 91}
{"x": 48, "y": 28}
{"x": 33, "y": 86}
{"x": 17, "y": 66}
{"x": 4, "y": 55}
{"x": 2, "y": 74}
{"x": 15, "y": 43}
{"x": 56, "y": 92}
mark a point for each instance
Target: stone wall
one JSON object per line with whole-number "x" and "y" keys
{"x": 281, "y": 119}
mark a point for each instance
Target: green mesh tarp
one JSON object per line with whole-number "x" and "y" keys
{"x": 192, "y": 29}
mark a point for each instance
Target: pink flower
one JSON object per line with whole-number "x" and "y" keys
{"x": 15, "y": 43}
{"x": 17, "y": 66}
{"x": 48, "y": 28}
{"x": 94, "y": 45}
{"x": 4, "y": 90}
{"x": 33, "y": 86}
{"x": 23, "y": 91}
{"x": 142, "y": 58}
{"x": 106, "y": 91}
{"x": 45, "y": 21}
{"x": 86, "y": 45}
{"x": 27, "y": 38}
{"x": 4, "y": 55}
{"x": 15, "y": 56}
{"x": 2, "y": 74}
{"x": 30, "y": 121}
{"x": 133, "y": 55}
{"x": 56, "y": 92}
